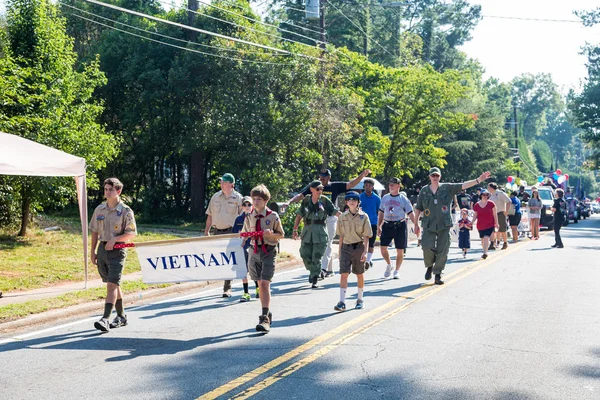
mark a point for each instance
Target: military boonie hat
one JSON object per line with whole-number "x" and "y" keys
{"x": 394, "y": 180}
{"x": 352, "y": 196}
{"x": 228, "y": 178}
{"x": 315, "y": 184}
{"x": 324, "y": 172}
{"x": 435, "y": 170}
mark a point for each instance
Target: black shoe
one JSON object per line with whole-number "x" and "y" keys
{"x": 329, "y": 274}
{"x": 428, "y": 273}
{"x": 560, "y": 247}
{"x": 554, "y": 245}
{"x": 492, "y": 247}
{"x": 505, "y": 246}
{"x": 438, "y": 279}
{"x": 118, "y": 322}
{"x": 314, "y": 282}
{"x": 264, "y": 324}
{"x": 102, "y": 325}
{"x": 484, "y": 256}
{"x": 323, "y": 274}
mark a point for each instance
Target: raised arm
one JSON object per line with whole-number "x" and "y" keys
{"x": 356, "y": 181}
{"x": 473, "y": 182}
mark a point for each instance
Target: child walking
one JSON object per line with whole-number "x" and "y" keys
{"x": 354, "y": 229}
{"x": 261, "y": 264}
{"x": 464, "y": 233}
{"x": 237, "y": 228}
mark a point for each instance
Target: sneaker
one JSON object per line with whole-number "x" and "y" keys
{"x": 428, "y": 273}
{"x": 340, "y": 306}
{"x": 438, "y": 279}
{"x": 505, "y": 246}
{"x": 329, "y": 274}
{"x": 102, "y": 325}
{"x": 118, "y": 322}
{"x": 388, "y": 271}
{"x": 492, "y": 247}
{"x": 257, "y": 294}
{"x": 484, "y": 256}
{"x": 245, "y": 298}
{"x": 264, "y": 324}
{"x": 359, "y": 305}
{"x": 396, "y": 274}
{"x": 226, "y": 294}
{"x": 368, "y": 264}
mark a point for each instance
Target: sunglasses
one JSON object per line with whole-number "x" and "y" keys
{"x": 246, "y": 205}
{"x": 319, "y": 189}
{"x": 434, "y": 176}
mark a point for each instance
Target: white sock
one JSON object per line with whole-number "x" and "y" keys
{"x": 343, "y": 295}
{"x": 360, "y": 293}
{"x": 369, "y": 256}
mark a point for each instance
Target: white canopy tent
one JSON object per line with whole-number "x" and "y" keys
{"x": 19, "y": 156}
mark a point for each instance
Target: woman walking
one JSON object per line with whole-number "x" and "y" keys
{"x": 535, "y": 207}
{"x": 486, "y": 218}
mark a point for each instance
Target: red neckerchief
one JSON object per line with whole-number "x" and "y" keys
{"x": 258, "y": 228}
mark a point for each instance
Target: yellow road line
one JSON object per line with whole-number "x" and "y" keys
{"x": 221, "y": 390}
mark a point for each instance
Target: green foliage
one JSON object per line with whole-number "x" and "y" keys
{"x": 46, "y": 99}
{"x": 288, "y": 218}
{"x": 543, "y": 155}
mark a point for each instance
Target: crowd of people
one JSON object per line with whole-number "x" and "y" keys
{"x": 365, "y": 217}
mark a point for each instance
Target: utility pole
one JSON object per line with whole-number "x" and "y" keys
{"x": 192, "y": 7}
{"x": 322, "y": 22}
{"x": 398, "y": 5}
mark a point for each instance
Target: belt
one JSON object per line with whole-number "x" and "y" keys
{"x": 394, "y": 222}
{"x": 354, "y": 245}
{"x": 314, "y": 222}
{"x": 223, "y": 230}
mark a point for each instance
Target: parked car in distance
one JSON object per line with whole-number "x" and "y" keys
{"x": 595, "y": 206}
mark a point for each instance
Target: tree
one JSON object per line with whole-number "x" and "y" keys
{"x": 47, "y": 100}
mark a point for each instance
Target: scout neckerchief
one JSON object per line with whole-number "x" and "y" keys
{"x": 259, "y": 232}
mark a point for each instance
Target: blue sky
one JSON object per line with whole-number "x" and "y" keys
{"x": 507, "y": 48}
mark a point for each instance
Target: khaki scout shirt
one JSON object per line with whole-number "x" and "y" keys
{"x": 353, "y": 228}
{"x": 313, "y": 233}
{"x": 501, "y": 200}
{"x": 270, "y": 221}
{"x": 224, "y": 210}
{"x": 436, "y": 207}
{"x": 111, "y": 222}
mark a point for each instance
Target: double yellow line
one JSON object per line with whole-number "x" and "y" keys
{"x": 451, "y": 278}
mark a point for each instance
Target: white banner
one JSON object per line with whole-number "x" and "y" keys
{"x": 524, "y": 224}
{"x": 210, "y": 258}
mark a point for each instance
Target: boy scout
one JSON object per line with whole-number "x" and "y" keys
{"x": 314, "y": 209}
{"x": 223, "y": 209}
{"x": 261, "y": 263}
{"x": 434, "y": 202}
{"x": 354, "y": 230}
{"x": 112, "y": 222}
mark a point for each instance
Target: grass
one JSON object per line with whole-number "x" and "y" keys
{"x": 14, "y": 311}
{"x": 43, "y": 258}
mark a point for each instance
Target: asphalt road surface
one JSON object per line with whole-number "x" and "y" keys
{"x": 523, "y": 324}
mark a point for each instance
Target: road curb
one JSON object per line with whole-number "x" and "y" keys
{"x": 130, "y": 299}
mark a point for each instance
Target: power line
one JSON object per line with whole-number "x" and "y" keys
{"x": 174, "y": 45}
{"x": 260, "y": 22}
{"x": 139, "y": 14}
{"x": 166, "y": 36}
{"x": 532, "y": 19}
{"x": 360, "y": 29}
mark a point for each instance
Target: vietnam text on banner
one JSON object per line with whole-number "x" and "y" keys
{"x": 209, "y": 258}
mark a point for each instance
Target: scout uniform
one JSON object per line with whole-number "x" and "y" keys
{"x": 109, "y": 223}
{"x": 224, "y": 210}
{"x": 314, "y": 235}
{"x": 263, "y": 251}
{"x": 353, "y": 228}
{"x": 436, "y": 224}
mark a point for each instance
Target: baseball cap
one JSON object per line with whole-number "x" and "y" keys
{"x": 315, "y": 184}
{"x": 247, "y": 199}
{"x": 228, "y": 178}
{"x": 435, "y": 170}
{"x": 483, "y": 191}
{"x": 394, "y": 180}
{"x": 352, "y": 196}
{"x": 324, "y": 172}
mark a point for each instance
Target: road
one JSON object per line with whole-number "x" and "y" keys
{"x": 523, "y": 324}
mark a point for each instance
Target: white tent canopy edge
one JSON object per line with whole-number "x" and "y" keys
{"x": 20, "y": 156}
